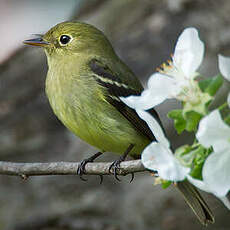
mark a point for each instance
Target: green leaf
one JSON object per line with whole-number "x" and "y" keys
{"x": 165, "y": 184}
{"x": 179, "y": 121}
{"x": 197, "y": 171}
{"x": 211, "y": 85}
{"x": 203, "y": 84}
{"x": 201, "y": 156}
{"x": 192, "y": 120}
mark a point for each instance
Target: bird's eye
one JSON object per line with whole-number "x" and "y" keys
{"x": 64, "y": 39}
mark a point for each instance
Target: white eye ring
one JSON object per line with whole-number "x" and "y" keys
{"x": 65, "y": 39}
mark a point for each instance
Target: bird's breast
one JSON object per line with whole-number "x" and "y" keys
{"x": 81, "y": 106}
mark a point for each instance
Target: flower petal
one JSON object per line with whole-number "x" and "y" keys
{"x": 159, "y": 88}
{"x": 213, "y": 131}
{"x": 154, "y": 126}
{"x": 216, "y": 172}
{"x": 189, "y": 52}
{"x": 224, "y": 66}
{"x": 147, "y": 158}
{"x": 198, "y": 183}
{"x": 226, "y": 201}
{"x": 158, "y": 157}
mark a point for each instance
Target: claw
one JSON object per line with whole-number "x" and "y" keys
{"x": 110, "y": 168}
{"x": 115, "y": 166}
{"x": 115, "y": 174}
{"x": 132, "y": 177}
{"x": 81, "y": 167}
{"x": 81, "y": 170}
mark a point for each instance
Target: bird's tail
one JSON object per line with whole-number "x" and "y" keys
{"x": 196, "y": 202}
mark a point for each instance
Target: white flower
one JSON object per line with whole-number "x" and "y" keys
{"x": 224, "y": 66}
{"x": 216, "y": 175}
{"x": 158, "y": 156}
{"x": 214, "y": 132}
{"x": 176, "y": 79}
{"x": 216, "y": 171}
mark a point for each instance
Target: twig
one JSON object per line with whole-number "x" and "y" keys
{"x": 66, "y": 168}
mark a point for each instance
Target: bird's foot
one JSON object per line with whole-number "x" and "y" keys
{"x": 115, "y": 166}
{"x": 81, "y": 167}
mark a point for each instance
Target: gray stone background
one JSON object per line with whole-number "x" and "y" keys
{"x": 143, "y": 33}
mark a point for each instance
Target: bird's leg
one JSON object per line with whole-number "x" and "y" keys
{"x": 115, "y": 166}
{"x": 81, "y": 167}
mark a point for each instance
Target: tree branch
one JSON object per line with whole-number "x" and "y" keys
{"x": 66, "y": 168}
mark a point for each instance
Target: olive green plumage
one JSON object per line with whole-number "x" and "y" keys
{"x": 84, "y": 82}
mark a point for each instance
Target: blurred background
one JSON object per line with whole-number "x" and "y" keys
{"x": 143, "y": 33}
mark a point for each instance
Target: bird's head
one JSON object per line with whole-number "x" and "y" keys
{"x": 72, "y": 38}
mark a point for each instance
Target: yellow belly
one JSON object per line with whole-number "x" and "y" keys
{"x": 85, "y": 112}
{"x": 103, "y": 127}
{"x": 105, "y": 131}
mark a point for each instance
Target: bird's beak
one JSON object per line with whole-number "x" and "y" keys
{"x": 37, "y": 42}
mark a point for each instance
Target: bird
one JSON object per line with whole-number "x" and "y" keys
{"x": 84, "y": 83}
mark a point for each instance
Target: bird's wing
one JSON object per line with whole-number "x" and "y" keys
{"x": 116, "y": 88}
